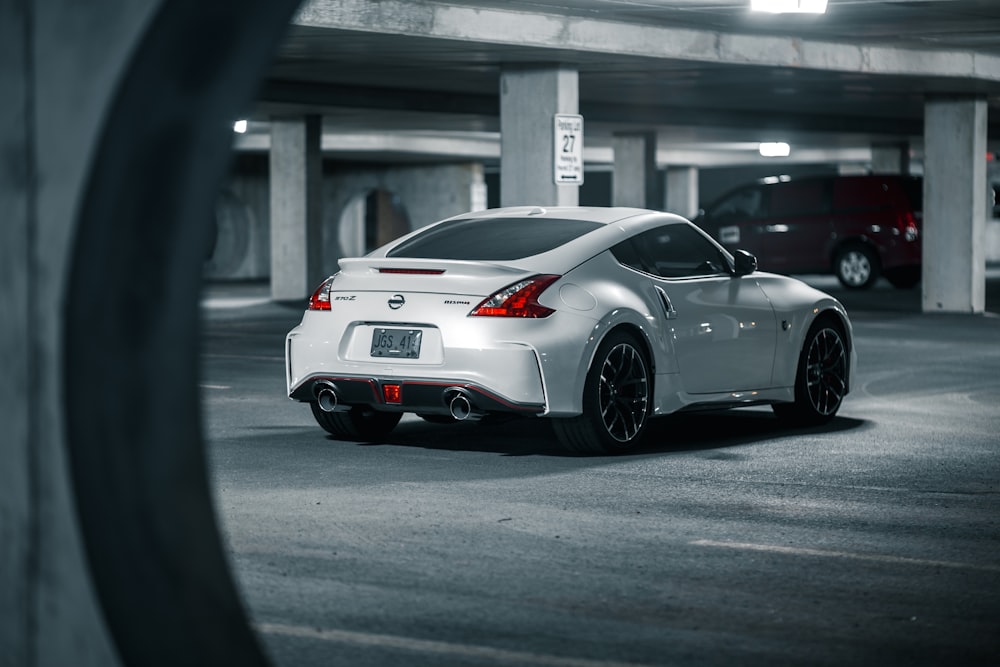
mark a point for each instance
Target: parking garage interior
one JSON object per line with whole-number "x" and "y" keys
{"x": 127, "y": 191}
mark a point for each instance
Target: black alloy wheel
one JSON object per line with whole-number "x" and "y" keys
{"x": 616, "y": 400}
{"x": 821, "y": 380}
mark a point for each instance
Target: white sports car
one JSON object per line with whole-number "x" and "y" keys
{"x": 595, "y": 318}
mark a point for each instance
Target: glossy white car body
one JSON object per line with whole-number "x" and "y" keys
{"x": 722, "y": 338}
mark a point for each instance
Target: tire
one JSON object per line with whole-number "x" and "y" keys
{"x": 359, "y": 423}
{"x": 821, "y": 378}
{"x": 856, "y": 266}
{"x": 616, "y": 400}
{"x": 437, "y": 419}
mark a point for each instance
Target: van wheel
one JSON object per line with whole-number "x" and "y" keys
{"x": 856, "y": 267}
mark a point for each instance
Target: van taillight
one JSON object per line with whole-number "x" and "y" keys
{"x": 910, "y": 230}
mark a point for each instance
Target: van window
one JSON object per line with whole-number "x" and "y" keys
{"x": 800, "y": 198}
{"x": 744, "y": 203}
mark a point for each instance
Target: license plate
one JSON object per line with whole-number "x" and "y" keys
{"x": 401, "y": 343}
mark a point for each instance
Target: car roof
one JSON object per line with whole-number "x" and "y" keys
{"x": 599, "y": 214}
{"x": 618, "y": 223}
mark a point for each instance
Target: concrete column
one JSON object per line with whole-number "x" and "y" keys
{"x": 682, "y": 191}
{"x": 634, "y": 177}
{"x": 891, "y": 158}
{"x": 954, "y": 267}
{"x": 296, "y": 234}
{"x": 529, "y": 99}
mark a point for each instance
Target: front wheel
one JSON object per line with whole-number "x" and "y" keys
{"x": 359, "y": 423}
{"x": 616, "y": 400}
{"x": 821, "y": 379}
{"x": 856, "y": 267}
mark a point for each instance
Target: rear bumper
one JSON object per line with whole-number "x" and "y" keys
{"x": 420, "y": 395}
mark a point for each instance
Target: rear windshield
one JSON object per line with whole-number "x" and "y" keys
{"x": 493, "y": 239}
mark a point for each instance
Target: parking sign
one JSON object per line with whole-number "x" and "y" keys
{"x": 568, "y": 149}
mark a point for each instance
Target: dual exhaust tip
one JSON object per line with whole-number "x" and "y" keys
{"x": 326, "y": 397}
{"x": 457, "y": 399}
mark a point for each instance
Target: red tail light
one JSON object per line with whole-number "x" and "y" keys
{"x": 518, "y": 300}
{"x": 320, "y": 299}
{"x": 910, "y": 230}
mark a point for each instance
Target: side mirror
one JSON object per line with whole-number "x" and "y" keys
{"x": 745, "y": 262}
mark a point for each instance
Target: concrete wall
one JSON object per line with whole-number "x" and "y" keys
{"x": 426, "y": 193}
{"x": 241, "y": 247}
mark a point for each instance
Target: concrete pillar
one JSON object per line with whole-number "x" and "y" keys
{"x": 296, "y": 201}
{"x": 634, "y": 177}
{"x": 682, "y": 191}
{"x": 954, "y": 267}
{"x": 891, "y": 158}
{"x": 529, "y": 100}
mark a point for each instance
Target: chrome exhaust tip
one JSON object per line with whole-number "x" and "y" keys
{"x": 459, "y": 405}
{"x": 326, "y": 397}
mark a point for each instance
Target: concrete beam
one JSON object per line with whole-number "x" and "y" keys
{"x": 554, "y": 33}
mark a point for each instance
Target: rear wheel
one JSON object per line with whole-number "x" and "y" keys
{"x": 359, "y": 423}
{"x": 616, "y": 400}
{"x": 856, "y": 266}
{"x": 821, "y": 379}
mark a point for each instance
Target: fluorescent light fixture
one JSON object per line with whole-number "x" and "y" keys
{"x": 240, "y": 126}
{"x": 774, "y": 149}
{"x": 789, "y": 6}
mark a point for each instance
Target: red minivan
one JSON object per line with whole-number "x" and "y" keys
{"x": 856, "y": 227}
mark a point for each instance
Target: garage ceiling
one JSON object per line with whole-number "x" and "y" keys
{"x": 388, "y": 74}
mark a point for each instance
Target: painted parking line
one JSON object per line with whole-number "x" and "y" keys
{"x": 446, "y": 650}
{"x": 822, "y": 553}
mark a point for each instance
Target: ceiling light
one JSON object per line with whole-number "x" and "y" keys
{"x": 774, "y": 149}
{"x": 240, "y": 126}
{"x": 789, "y": 6}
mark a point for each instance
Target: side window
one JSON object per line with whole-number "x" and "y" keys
{"x": 679, "y": 251}
{"x": 744, "y": 203}
{"x": 627, "y": 253}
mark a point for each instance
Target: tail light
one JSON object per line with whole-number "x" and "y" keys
{"x": 320, "y": 299}
{"x": 518, "y": 300}
{"x": 910, "y": 230}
